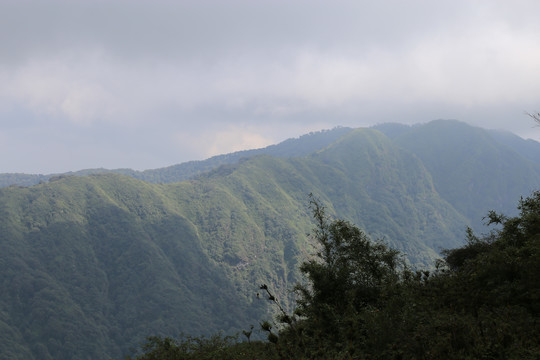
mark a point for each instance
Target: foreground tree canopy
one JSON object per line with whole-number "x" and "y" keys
{"x": 361, "y": 301}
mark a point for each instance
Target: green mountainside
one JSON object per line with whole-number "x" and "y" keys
{"x": 91, "y": 265}
{"x": 473, "y": 169}
{"x": 529, "y": 149}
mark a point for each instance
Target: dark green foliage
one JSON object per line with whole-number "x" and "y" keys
{"x": 351, "y": 275}
{"x": 203, "y": 348}
{"x": 504, "y": 266}
{"x": 483, "y": 302}
{"x": 360, "y": 302}
{"x": 349, "y": 272}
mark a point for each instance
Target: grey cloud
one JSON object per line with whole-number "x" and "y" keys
{"x": 191, "y": 77}
{"x": 193, "y": 28}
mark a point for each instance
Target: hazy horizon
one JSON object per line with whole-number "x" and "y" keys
{"x": 134, "y": 84}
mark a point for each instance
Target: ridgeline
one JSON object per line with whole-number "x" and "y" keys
{"x": 93, "y": 263}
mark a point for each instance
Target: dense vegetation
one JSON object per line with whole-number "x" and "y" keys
{"x": 91, "y": 265}
{"x": 361, "y": 302}
{"x": 470, "y": 168}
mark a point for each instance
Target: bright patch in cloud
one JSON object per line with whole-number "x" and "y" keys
{"x": 223, "y": 141}
{"x": 254, "y": 71}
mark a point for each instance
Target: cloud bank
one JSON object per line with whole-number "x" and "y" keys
{"x": 147, "y": 84}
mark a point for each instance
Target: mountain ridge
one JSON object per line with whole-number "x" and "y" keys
{"x": 302, "y": 145}
{"x": 90, "y": 265}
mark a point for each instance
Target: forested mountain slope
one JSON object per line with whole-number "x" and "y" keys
{"x": 90, "y": 265}
{"x": 529, "y": 149}
{"x": 473, "y": 169}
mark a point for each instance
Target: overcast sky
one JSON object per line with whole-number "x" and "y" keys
{"x": 146, "y": 84}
